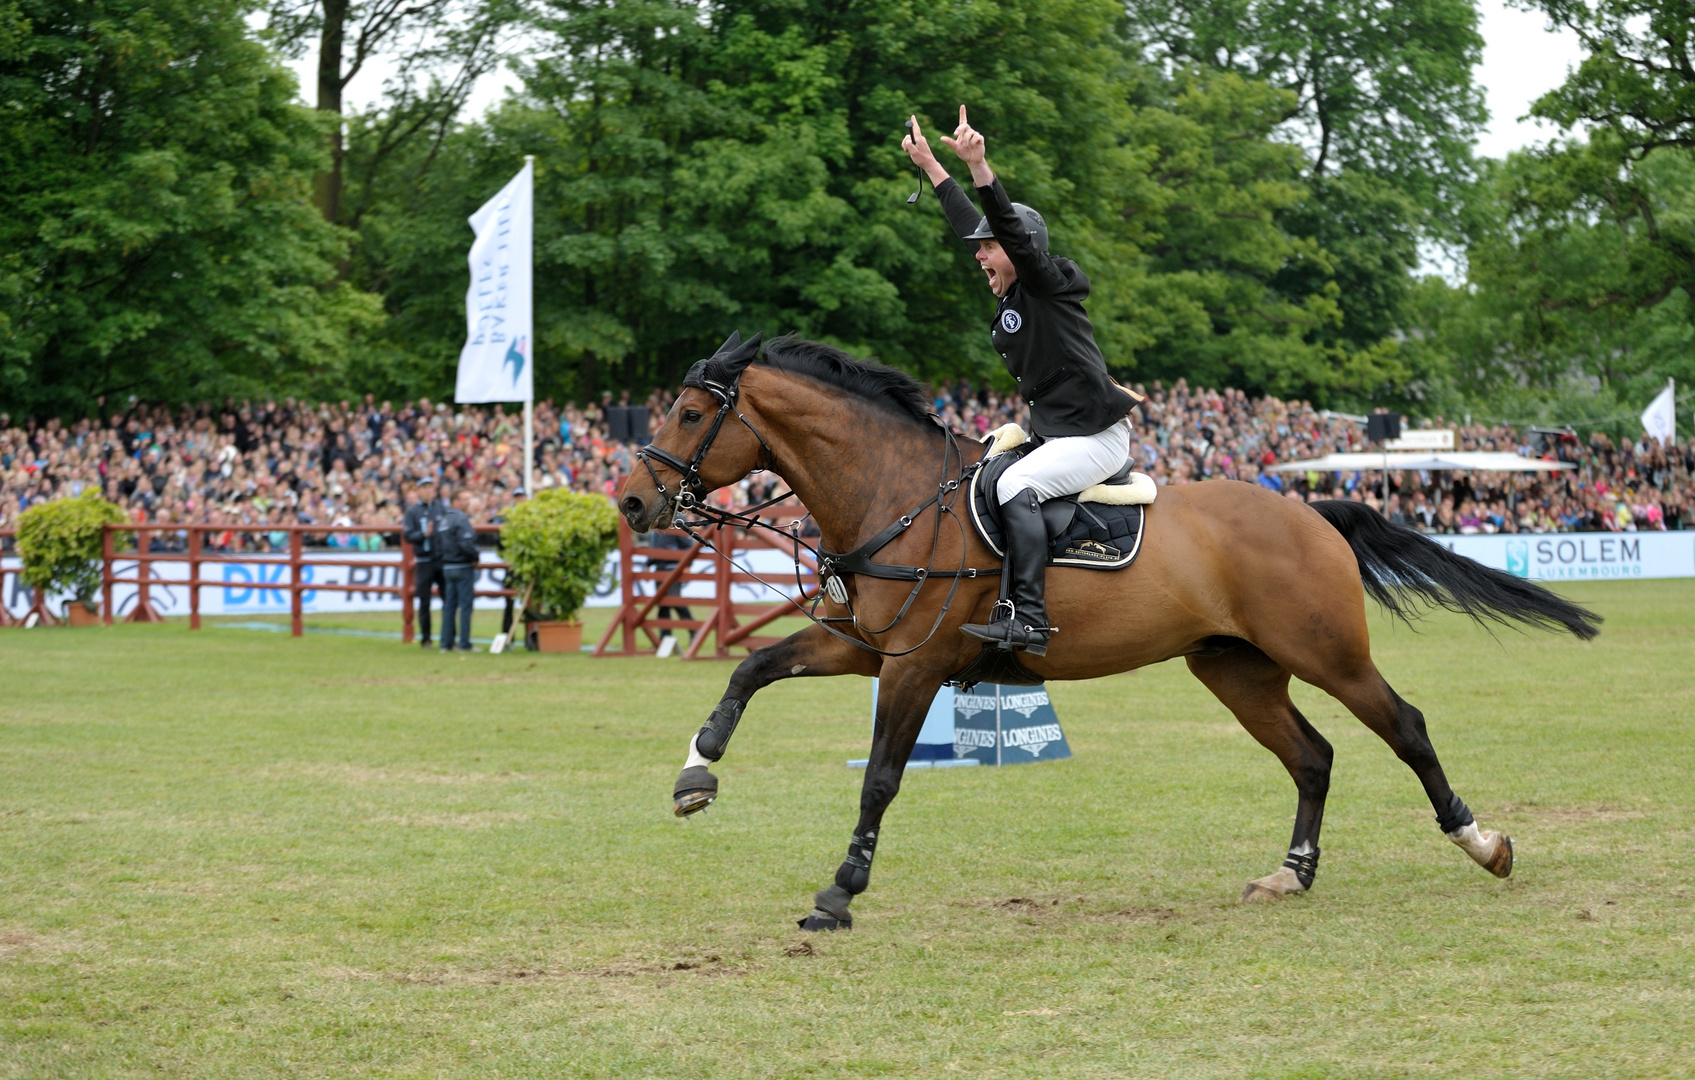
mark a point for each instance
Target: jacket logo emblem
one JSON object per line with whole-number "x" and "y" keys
{"x": 1011, "y": 321}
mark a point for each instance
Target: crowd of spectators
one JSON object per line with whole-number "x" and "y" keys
{"x": 346, "y": 467}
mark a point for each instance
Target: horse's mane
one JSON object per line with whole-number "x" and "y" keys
{"x": 887, "y": 388}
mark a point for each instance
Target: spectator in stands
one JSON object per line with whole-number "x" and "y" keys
{"x": 422, "y": 529}
{"x": 265, "y": 465}
{"x": 459, "y": 572}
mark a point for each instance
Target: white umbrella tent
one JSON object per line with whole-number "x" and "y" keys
{"x": 1424, "y": 461}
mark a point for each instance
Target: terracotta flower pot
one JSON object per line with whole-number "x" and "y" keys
{"x": 78, "y": 615}
{"x": 557, "y": 636}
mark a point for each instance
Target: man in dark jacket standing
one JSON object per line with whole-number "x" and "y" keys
{"x": 1078, "y": 414}
{"x": 459, "y": 572}
{"x": 422, "y": 528}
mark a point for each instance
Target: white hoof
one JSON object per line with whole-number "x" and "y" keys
{"x": 1274, "y": 886}
{"x": 1491, "y": 850}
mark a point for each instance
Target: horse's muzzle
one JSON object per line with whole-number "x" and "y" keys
{"x": 645, "y": 516}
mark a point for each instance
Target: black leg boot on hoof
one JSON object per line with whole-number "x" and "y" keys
{"x": 696, "y": 789}
{"x": 1020, "y": 620}
{"x": 830, "y": 910}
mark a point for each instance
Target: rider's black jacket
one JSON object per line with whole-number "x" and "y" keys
{"x": 1040, "y": 328}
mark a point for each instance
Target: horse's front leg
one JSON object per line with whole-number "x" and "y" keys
{"x": 901, "y": 707}
{"x": 812, "y": 651}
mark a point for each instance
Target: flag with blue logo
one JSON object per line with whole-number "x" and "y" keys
{"x": 497, "y": 362}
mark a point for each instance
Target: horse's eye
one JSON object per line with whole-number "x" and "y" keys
{"x": 691, "y": 416}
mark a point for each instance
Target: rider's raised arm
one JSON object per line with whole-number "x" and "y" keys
{"x": 957, "y": 206}
{"x": 955, "y": 203}
{"x": 1037, "y": 271}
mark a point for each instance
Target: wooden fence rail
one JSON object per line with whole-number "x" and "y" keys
{"x": 199, "y": 554}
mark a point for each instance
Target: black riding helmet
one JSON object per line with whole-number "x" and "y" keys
{"x": 1033, "y": 224}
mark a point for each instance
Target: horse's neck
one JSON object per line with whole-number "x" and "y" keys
{"x": 855, "y": 469}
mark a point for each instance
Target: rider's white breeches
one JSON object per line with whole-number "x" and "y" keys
{"x": 1066, "y": 466}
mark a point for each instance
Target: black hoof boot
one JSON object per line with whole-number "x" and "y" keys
{"x": 696, "y": 789}
{"x": 830, "y": 911}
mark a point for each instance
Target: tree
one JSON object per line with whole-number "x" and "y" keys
{"x": 157, "y": 235}
{"x": 1638, "y": 80}
{"x": 698, "y": 174}
{"x": 1384, "y": 89}
{"x": 1382, "y": 99}
{"x": 424, "y": 39}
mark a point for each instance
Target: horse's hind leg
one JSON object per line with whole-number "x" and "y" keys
{"x": 1256, "y": 689}
{"x": 812, "y": 651}
{"x": 1370, "y": 697}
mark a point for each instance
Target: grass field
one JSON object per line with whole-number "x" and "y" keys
{"x": 235, "y": 854}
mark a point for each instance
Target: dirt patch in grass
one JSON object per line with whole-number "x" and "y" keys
{"x": 1598, "y": 814}
{"x": 18, "y": 944}
{"x": 347, "y": 773}
{"x": 708, "y": 966}
{"x": 482, "y": 819}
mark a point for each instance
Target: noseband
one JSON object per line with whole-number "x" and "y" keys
{"x": 710, "y": 376}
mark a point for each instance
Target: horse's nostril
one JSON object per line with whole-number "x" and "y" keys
{"x": 632, "y": 505}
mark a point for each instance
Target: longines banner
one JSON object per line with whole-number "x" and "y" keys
{"x": 250, "y": 588}
{"x": 1582, "y": 556}
{"x": 986, "y": 725}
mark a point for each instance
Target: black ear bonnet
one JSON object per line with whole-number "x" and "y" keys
{"x": 718, "y": 373}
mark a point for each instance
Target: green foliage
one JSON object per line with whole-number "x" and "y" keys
{"x": 156, "y": 232}
{"x": 556, "y": 545}
{"x": 697, "y": 174}
{"x": 60, "y": 542}
{"x": 1638, "y": 81}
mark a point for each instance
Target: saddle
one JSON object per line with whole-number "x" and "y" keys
{"x": 1098, "y": 529}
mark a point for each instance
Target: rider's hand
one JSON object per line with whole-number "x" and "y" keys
{"x": 967, "y": 142}
{"x": 918, "y": 149}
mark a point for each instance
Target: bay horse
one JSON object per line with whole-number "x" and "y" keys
{"x": 1248, "y": 587}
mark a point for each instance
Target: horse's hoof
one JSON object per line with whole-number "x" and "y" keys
{"x": 1501, "y": 862}
{"x": 692, "y": 802}
{"x": 823, "y": 920}
{"x": 1491, "y": 850}
{"x": 696, "y": 789}
{"x": 1273, "y": 886}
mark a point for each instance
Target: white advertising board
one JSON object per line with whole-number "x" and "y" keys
{"x": 1582, "y": 556}
{"x": 241, "y": 588}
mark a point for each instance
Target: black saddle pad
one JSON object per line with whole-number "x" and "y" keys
{"x": 1097, "y": 537}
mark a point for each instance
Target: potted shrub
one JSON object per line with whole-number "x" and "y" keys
{"x": 556, "y": 546}
{"x": 59, "y": 542}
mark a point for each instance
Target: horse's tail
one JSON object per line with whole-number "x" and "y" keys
{"x": 1401, "y": 567}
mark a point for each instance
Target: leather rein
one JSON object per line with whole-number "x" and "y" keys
{"x": 690, "y": 497}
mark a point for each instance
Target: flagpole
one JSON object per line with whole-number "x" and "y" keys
{"x": 529, "y": 402}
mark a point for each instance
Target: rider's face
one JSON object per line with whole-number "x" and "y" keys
{"x": 992, "y": 258}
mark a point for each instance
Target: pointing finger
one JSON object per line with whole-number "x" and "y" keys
{"x": 962, "y": 120}
{"x": 917, "y": 133}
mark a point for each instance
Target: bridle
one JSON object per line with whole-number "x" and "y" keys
{"x": 716, "y": 379}
{"x": 691, "y": 491}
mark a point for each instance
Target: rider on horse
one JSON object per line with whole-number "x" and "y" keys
{"x": 1078, "y": 414}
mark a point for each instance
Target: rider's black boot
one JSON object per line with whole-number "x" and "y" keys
{"x": 1020, "y": 619}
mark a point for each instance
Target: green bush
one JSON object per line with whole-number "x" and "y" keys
{"x": 60, "y": 544}
{"x": 556, "y": 545}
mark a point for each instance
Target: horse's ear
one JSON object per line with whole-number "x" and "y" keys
{"x": 730, "y": 343}
{"x": 737, "y": 359}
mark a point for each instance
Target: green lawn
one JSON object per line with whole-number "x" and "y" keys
{"x": 235, "y": 854}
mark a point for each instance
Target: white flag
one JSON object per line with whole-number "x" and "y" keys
{"x": 1660, "y": 418}
{"x": 496, "y": 362}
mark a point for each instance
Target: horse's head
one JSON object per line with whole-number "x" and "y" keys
{"x": 704, "y": 443}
